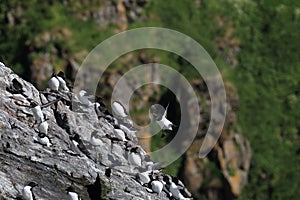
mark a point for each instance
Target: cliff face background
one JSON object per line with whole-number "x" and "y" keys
{"x": 255, "y": 45}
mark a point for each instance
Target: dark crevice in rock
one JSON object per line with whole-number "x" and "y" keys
{"x": 97, "y": 190}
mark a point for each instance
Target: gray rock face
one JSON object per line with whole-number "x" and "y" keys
{"x": 61, "y": 165}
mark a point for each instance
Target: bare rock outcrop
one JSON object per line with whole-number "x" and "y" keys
{"x": 54, "y": 168}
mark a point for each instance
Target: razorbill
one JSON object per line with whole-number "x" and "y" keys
{"x": 95, "y": 141}
{"x": 43, "y": 140}
{"x": 118, "y": 109}
{"x": 119, "y": 134}
{"x": 78, "y": 145}
{"x": 174, "y": 189}
{"x": 72, "y": 194}
{"x": 53, "y": 83}
{"x": 37, "y": 112}
{"x": 161, "y": 120}
{"x": 157, "y": 186}
{"x": 134, "y": 157}
{"x": 143, "y": 177}
{"x": 62, "y": 82}
{"x": 43, "y": 127}
{"x": 27, "y": 191}
{"x": 83, "y": 98}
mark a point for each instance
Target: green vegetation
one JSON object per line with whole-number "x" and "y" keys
{"x": 266, "y": 73}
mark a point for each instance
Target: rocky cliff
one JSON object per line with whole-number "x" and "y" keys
{"x": 57, "y": 166}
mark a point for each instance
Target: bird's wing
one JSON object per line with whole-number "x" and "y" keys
{"x": 165, "y": 113}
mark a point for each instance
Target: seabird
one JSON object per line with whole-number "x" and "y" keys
{"x": 162, "y": 121}
{"x": 143, "y": 177}
{"x": 79, "y": 146}
{"x": 134, "y": 157}
{"x": 27, "y": 191}
{"x": 174, "y": 189}
{"x": 72, "y": 194}
{"x": 43, "y": 140}
{"x": 83, "y": 98}
{"x": 118, "y": 109}
{"x": 43, "y": 127}
{"x": 157, "y": 186}
{"x": 95, "y": 141}
{"x": 119, "y": 134}
{"x": 53, "y": 83}
{"x": 37, "y": 112}
{"x": 62, "y": 82}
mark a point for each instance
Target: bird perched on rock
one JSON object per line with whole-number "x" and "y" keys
{"x": 72, "y": 195}
{"x": 143, "y": 177}
{"x": 95, "y": 139}
{"x": 83, "y": 98}
{"x": 43, "y": 127}
{"x": 27, "y": 191}
{"x": 37, "y": 112}
{"x": 118, "y": 109}
{"x": 53, "y": 83}
{"x": 134, "y": 156}
{"x": 175, "y": 190}
{"x": 62, "y": 82}
{"x": 43, "y": 140}
{"x": 119, "y": 133}
{"x": 156, "y": 186}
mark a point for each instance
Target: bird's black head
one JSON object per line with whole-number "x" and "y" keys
{"x": 33, "y": 104}
{"x": 53, "y": 74}
{"x": 167, "y": 179}
{"x": 70, "y": 189}
{"x": 32, "y": 184}
{"x": 134, "y": 149}
{"x": 61, "y": 74}
{"x": 42, "y": 135}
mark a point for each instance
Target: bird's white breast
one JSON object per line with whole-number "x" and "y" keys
{"x": 26, "y": 192}
{"x": 53, "y": 83}
{"x": 157, "y": 186}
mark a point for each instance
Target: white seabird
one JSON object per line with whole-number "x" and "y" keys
{"x": 119, "y": 134}
{"x": 83, "y": 98}
{"x": 44, "y": 140}
{"x": 43, "y": 127}
{"x": 53, "y": 83}
{"x": 157, "y": 186}
{"x": 62, "y": 83}
{"x": 37, "y": 112}
{"x": 143, "y": 177}
{"x": 95, "y": 139}
{"x": 175, "y": 190}
{"x": 134, "y": 157}
{"x": 162, "y": 121}
{"x": 72, "y": 194}
{"x": 27, "y": 191}
{"x": 118, "y": 109}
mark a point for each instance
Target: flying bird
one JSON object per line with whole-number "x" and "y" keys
{"x": 161, "y": 120}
